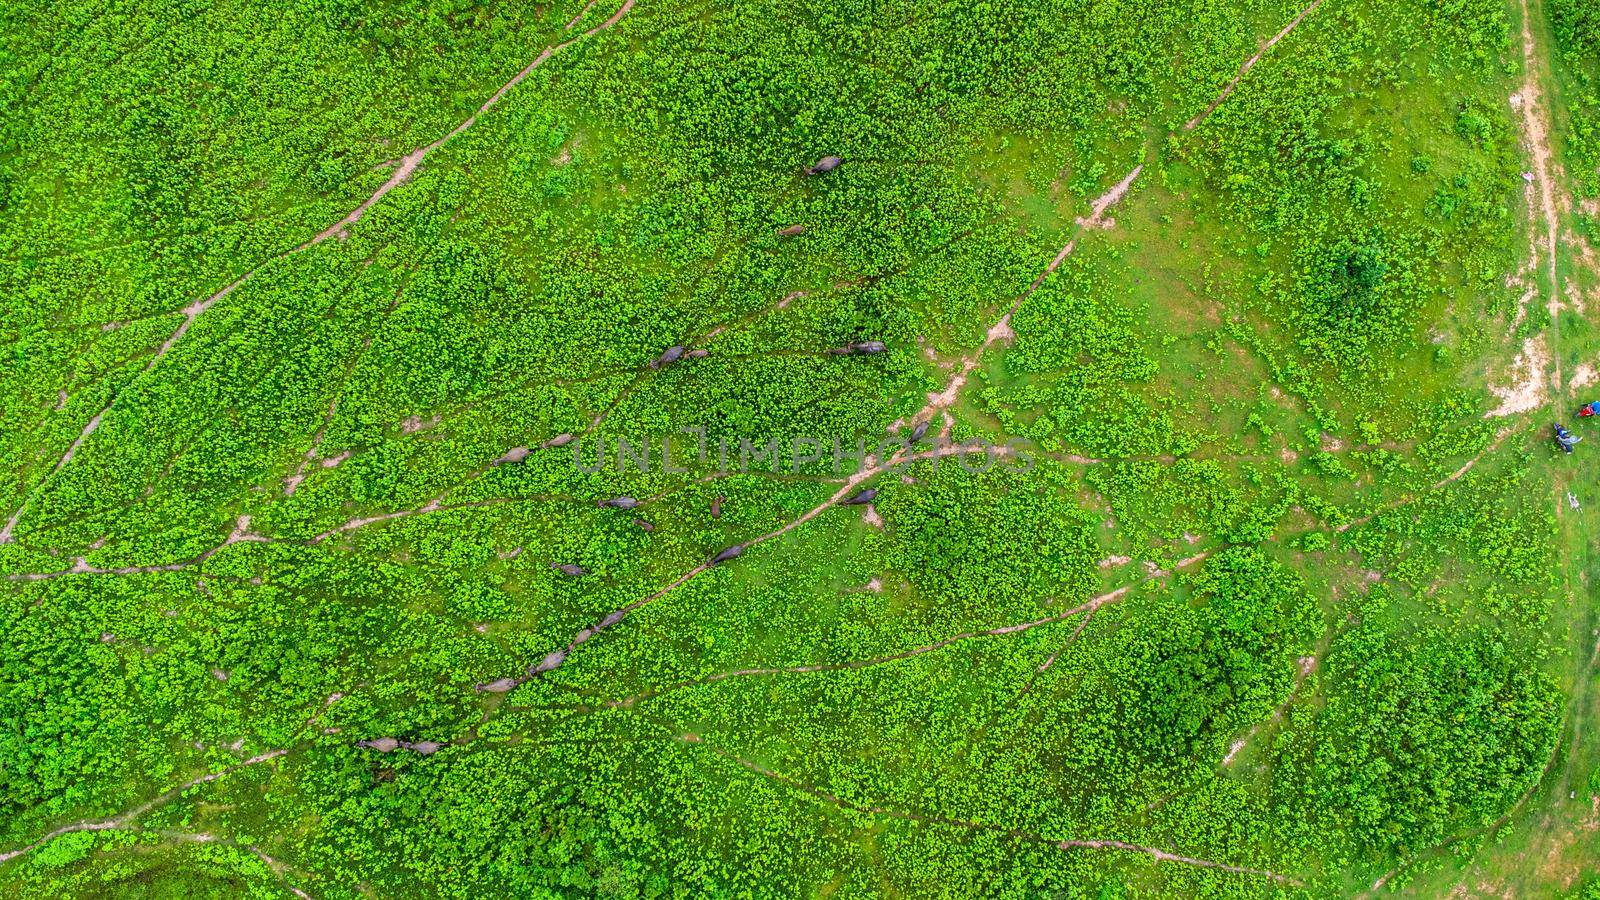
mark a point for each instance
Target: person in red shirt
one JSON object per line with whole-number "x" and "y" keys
{"x": 1589, "y": 409}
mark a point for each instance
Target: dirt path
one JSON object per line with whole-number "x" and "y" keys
{"x": 1001, "y": 330}
{"x": 557, "y": 657}
{"x": 1536, "y": 139}
{"x": 409, "y": 163}
{"x": 1455, "y": 476}
{"x": 1529, "y": 385}
{"x": 1304, "y": 668}
{"x": 190, "y": 313}
{"x": 1087, "y": 607}
{"x": 403, "y": 172}
{"x": 581, "y": 13}
{"x": 280, "y": 869}
{"x": 969, "y": 825}
{"x": 82, "y": 567}
{"x": 1491, "y": 828}
{"x": 241, "y": 534}
{"x": 124, "y": 819}
{"x": 1194, "y": 123}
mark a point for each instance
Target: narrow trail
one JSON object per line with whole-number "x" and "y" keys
{"x": 432, "y": 506}
{"x": 1545, "y": 199}
{"x": 936, "y": 402}
{"x": 970, "y": 825}
{"x": 581, "y": 13}
{"x": 403, "y": 172}
{"x": 122, "y": 820}
{"x": 1194, "y": 123}
{"x": 1448, "y": 479}
{"x": 292, "y": 483}
{"x": 1491, "y": 828}
{"x": 1001, "y": 330}
{"x": 280, "y": 869}
{"x": 974, "y": 738}
{"x": 1536, "y": 137}
{"x": 1087, "y": 607}
{"x": 1529, "y": 386}
{"x": 1306, "y": 665}
{"x": 82, "y": 567}
{"x": 241, "y": 534}
{"x": 190, "y": 313}
{"x": 409, "y": 163}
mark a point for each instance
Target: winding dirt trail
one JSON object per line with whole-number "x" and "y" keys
{"x": 970, "y": 825}
{"x": 1194, "y": 123}
{"x": 1536, "y": 138}
{"x": 557, "y": 657}
{"x": 241, "y": 534}
{"x": 409, "y": 163}
{"x": 82, "y": 567}
{"x": 1453, "y": 477}
{"x": 190, "y": 313}
{"x": 280, "y": 869}
{"x": 1001, "y": 330}
{"x": 1087, "y": 607}
{"x": 124, "y": 819}
{"x": 403, "y": 172}
{"x": 1529, "y": 386}
{"x": 1304, "y": 666}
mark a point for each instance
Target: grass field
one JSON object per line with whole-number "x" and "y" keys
{"x": 326, "y": 575}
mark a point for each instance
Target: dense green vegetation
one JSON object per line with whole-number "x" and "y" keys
{"x": 1269, "y": 609}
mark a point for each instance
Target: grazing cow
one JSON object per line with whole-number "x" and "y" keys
{"x": 727, "y": 554}
{"x": 866, "y": 496}
{"x": 792, "y": 231}
{"x": 514, "y": 455}
{"x": 859, "y": 349}
{"x": 570, "y": 569}
{"x": 619, "y": 503}
{"x": 669, "y": 356}
{"x": 825, "y": 164}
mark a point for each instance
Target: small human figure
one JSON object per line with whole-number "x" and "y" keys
{"x": 1589, "y": 409}
{"x": 1566, "y": 439}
